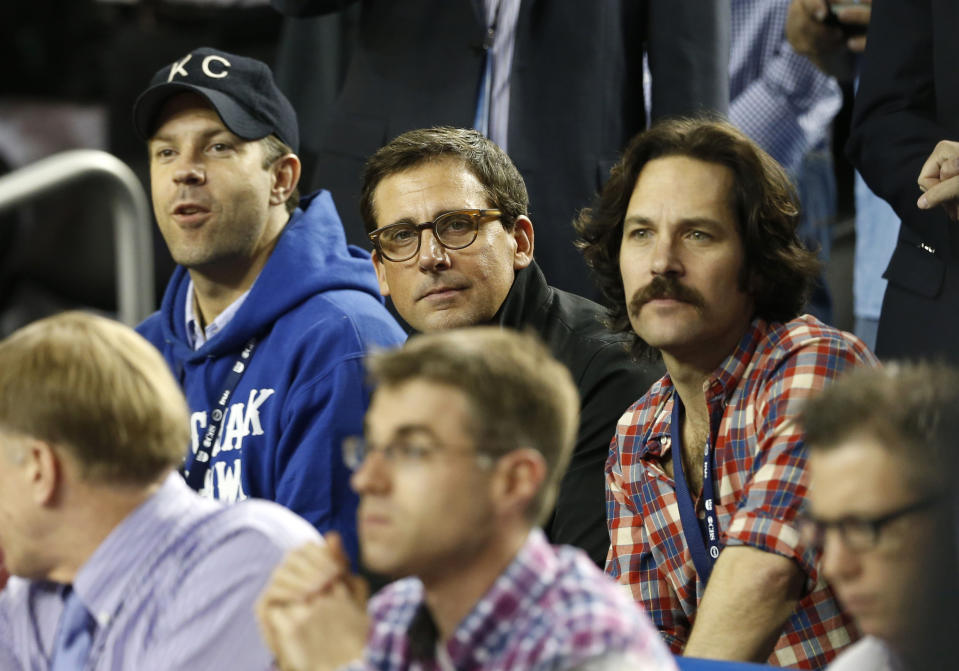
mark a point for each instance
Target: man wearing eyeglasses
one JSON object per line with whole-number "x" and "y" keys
{"x": 882, "y": 462}
{"x": 447, "y": 212}
{"x": 466, "y": 439}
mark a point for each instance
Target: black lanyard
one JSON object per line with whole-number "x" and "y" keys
{"x": 696, "y": 539}
{"x": 195, "y": 474}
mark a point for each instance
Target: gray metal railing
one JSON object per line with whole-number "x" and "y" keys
{"x": 128, "y": 206}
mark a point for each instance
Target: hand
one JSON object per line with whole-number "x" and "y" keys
{"x": 939, "y": 179}
{"x": 312, "y": 614}
{"x": 856, "y": 14}
{"x": 824, "y": 44}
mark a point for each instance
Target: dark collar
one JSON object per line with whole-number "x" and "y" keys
{"x": 423, "y": 635}
{"x": 527, "y": 299}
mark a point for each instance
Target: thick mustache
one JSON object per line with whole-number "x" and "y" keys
{"x": 664, "y": 287}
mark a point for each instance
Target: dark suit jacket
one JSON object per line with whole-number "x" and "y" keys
{"x": 908, "y": 100}
{"x": 576, "y": 93}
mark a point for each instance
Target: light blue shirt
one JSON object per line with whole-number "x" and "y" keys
{"x": 198, "y": 336}
{"x": 877, "y": 230}
{"x": 171, "y": 587}
{"x": 506, "y": 14}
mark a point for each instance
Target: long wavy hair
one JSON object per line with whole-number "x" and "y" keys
{"x": 778, "y": 271}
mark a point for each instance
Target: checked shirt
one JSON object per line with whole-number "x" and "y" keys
{"x": 759, "y": 476}
{"x": 551, "y": 609}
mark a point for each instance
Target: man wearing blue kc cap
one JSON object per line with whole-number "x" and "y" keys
{"x": 267, "y": 317}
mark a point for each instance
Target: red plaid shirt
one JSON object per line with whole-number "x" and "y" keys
{"x": 760, "y": 482}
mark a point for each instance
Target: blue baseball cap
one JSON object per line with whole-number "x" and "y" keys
{"x": 241, "y": 90}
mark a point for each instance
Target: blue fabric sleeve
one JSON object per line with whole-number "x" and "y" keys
{"x": 311, "y": 478}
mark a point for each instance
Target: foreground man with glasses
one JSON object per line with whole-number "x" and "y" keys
{"x": 453, "y": 246}
{"x": 882, "y": 460}
{"x": 467, "y": 436}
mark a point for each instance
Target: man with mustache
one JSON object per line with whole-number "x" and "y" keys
{"x": 268, "y": 314}
{"x": 694, "y": 240}
{"x": 447, "y": 212}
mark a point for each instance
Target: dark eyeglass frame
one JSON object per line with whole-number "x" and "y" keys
{"x": 859, "y": 534}
{"x": 476, "y": 218}
{"x": 356, "y": 449}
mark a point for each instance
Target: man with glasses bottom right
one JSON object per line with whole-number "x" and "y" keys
{"x": 882, "y": 458}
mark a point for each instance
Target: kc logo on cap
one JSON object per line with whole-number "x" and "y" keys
{"x": 213, "y": 66}
{"x": 241, "y": 90}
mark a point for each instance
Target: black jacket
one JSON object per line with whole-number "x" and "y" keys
{"x": 608, "y": 380}
{"x": 908, "y": 101}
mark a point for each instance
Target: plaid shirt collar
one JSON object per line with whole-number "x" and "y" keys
{"x": 481, "y": 634}
{"x": 719, "y": 389}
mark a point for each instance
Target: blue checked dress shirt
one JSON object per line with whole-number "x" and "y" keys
{"x": 776, "y": 96}
{"x": 171, "y": 587}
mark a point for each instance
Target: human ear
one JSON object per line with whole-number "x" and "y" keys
{"x": 523, "y": 236}
{"x": 286, "y": 175}
{"x": 43, "y": 470}
{"x": 518, "y": 477}
{"x": 380, "y": 269}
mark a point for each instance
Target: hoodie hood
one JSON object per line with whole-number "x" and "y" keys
{"x": 310, "y": 257}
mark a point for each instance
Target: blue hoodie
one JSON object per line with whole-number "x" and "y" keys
{"x": 315, "y": 310}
